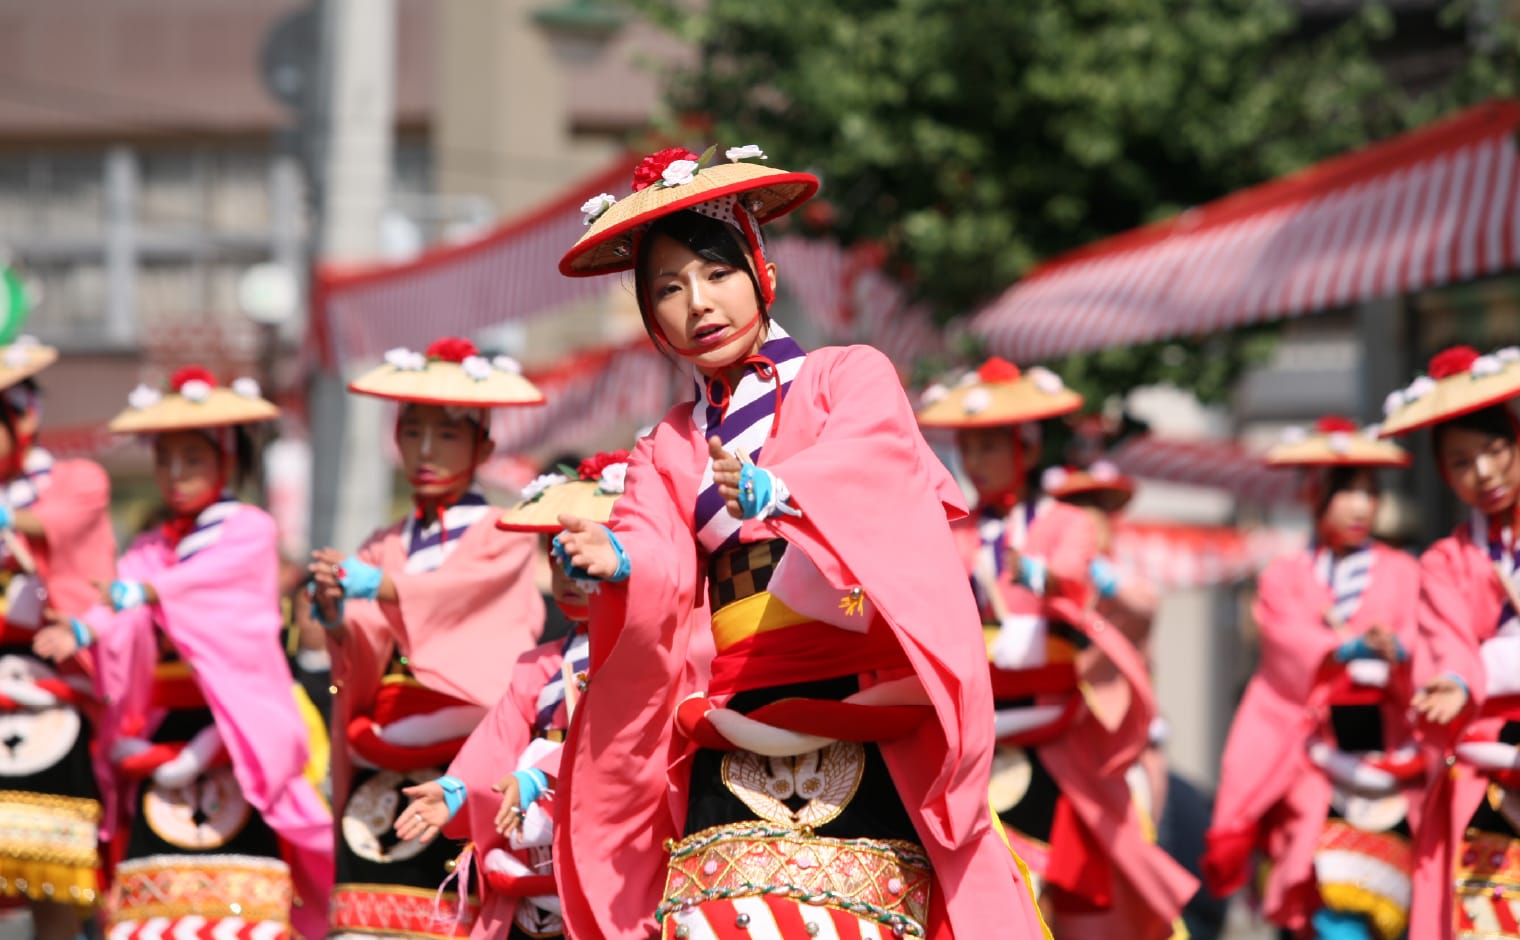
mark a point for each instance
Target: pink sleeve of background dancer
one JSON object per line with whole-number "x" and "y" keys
{"x": 79, "y": 549}
{"x": 1457, "y": 612}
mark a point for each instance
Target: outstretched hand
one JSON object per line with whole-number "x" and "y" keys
{"x": 509, "y": 814}
{"x": 426, "y": 815}
{"x": 726, "y": 469}
{"x": 588, "y": 547}
{"x": 1440, "y": 700}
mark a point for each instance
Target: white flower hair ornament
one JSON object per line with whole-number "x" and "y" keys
{"x": 746, "y": 152}
{"x": 143, "y": 397}
{"x": 1103, "y": 471}
{"x": 1484, "y": 366}
{"x": 196, "y": 390}
{"x": 976, "y": 401}
{"x": 614, "y": 479}
{"x": 1419, "y": 388}
{"x": 476, "y": 367}
{"x": 247, "y": 387}
{"x": 1339, "y": 442}
{"x": 593, "y": 208}
{"x": 1293, "y": 434}
{"x": 17, "y": 356}
{"x": 540, "y": 483}
{"x": 1046, "y": 380}
{"x": 1053, "y": 478}
{"x": 507, "y": 364}
{"x": 1508, "y": 354}
{"x": 1395, "y": 401}
{"x": 679, "y": 173}
{"x": 405, "y": 360}
{"x": 932, "y": 394}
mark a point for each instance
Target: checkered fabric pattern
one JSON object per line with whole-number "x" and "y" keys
{"x": 737, "y": 573}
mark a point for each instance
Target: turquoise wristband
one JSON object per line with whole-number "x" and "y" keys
{"x": 82, "y": 635}
{"x": 531, "y": 784}
{"x": 454, "y": 792}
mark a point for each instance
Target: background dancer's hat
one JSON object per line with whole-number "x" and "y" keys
{"x": 587, "y": 491}
{"x": 1458, "y": 382}
{"x": 194, "y": 402}
{"x": 998, "y": 394}
{"x": 451, "y": 373}
{"x": 1101, "y": 483}
{"x": 1336, "y": 442}
{"x": 745, "y": 195}
{"x": 23, "y": 359}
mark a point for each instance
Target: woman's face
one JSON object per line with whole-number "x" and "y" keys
{"x": 439, "y": 453}
{"x": 572, "y": 600}
{"x": 1346, "y": 521}
{"x": 1483, "y": 469}
{"x": 189, "y": 469}
{"x": 703, "y": 307}
{"x": 989, "y": 458}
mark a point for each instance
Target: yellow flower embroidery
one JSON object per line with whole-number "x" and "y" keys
{"x": 853, "y": 603}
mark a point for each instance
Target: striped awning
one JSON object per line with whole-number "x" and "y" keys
{"x": 1435, "y": 206}
{"x": 1174, "y": 556}
{"x": 1221, "y": 465}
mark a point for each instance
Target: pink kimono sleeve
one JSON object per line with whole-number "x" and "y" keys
{"x": 1451, "y": 610}
{"x": 78, "y": 544}
{"x": 1295, "y": 639}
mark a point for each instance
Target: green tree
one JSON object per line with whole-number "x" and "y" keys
{"x": 972, "y": 138}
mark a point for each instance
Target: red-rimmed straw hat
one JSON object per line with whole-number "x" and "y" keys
{"x": 1101, "y": 483}
{"x": 1459, "y": 381}
{"x": 194, "y": 401}
{"x": 997, "y": 394}
{"x": 24, "y": 358}
{"x": 1336, "y": 442}
{"x": 588, "y": 491}
{"x": 743, "y": 194}
{"x": 452, "y": 373}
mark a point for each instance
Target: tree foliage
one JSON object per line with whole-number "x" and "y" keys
{"x": 972, "y": 138}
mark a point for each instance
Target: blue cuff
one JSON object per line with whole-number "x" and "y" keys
{"x": 316, "y": 610}
{"x": 454, "y": 792}
{"x": 126, "y": 595}
{"x": 1459, "y": 681}
{"x": 531, "y": 784}
{"x": 1354, "y": 648}
{"x": 82, "y": 635}
{"x": 360, "y": 580}
{"x": 755, "y": 489}
{"x": 1032, "y": 573}
{"x": 624, "y": 566}
{"x": 1105, "y": 577}
{"x": 7, "y": 516}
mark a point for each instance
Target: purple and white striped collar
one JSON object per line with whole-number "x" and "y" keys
{"x": 746, "y": 423}
{"x": 26, "y": 489}
{"x": 427, "y": 547}
{"x": 208, "y": 527}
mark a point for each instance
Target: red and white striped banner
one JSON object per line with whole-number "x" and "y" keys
{"x": 508, "y": 275}
{"x": 1435, "y": 206}
{"x": 1221, "y": 465}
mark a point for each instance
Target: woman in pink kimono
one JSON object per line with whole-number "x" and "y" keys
{"x": 1467, "y": 665}
{"x": 423, "y": 622}
{"x": 829, "y": 778}
{"x": 203, "y": 748}
{"x": 1321, "y": 773}
{"x": 56, "y": 531}
{"x": 1058, "y": 773}
{"x": 499, "y": 791}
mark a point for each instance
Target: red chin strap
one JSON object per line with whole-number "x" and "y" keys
{"x": 749, "y": 327}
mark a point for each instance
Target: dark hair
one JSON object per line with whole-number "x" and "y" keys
{"x": 8, "y": 414}
{"x": 707, "y": 238}
{"x": 1341, "y": 478}
{"x": 1495, "y": 421}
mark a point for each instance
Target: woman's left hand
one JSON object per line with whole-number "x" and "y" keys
{"x": 509, "y": 815}
{"x": 726, "y": 468}
{"x": 1440, "y": 700}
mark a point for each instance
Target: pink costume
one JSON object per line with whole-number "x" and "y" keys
{"x": 1469, "y": 833}
{"x": 525, "y": 729}
{"x": 1321, "y": 809}
{"x": 874, "y": 504}
{"x": 193, "y": 682}
{"x": 414, "y": 678}
{"x": 1079, "y": 830}
{"x": 49, "y": 802}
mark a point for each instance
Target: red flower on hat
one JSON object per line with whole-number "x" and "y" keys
{"x": 1453, "y": 361}
{"x": 591, "y": 468}
{"x": 651, "y": 168}
{"x": 1335, "y": 424}
{"x": 191, "y": 374}
{"x": 998, "y": 369}
{"x": 452, "y": 349}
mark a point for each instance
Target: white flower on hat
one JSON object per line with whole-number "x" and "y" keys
{"x": 1339, "y": 442}
{"x": 1103, "y": 471}
{"x": 1053, "y": 478}
{"x": 507, "y": 364}
{"x": 932, "y": 394}
{"x": 614, "y": 479}
{"x": 1046, "y": 380}
{"x": 196, "y": 390}
{"x": 592, "y": 208}
{"x": 1508, "y": 354}
{"x": 1485, "y": 366}
{"x": 405, "y": 359}
{"x": 970, "y": 378}
{"x": 976, "y": 401}
{"x": 1293, "y": 434}
{"x": 538, "y": 484}
{"x": 26, "y": 339}
{"x": 746, "y": 152}
{"x": 17, "y": 356}
{"x": 991, "y": 530}
{"x": 679, "y": 173}
{"x": 1394, "y": 402}
{"x": 143, "y": 397}
{"x": 247, "y": 387}
{"x": 1419, "y": 388}
{"x": 476, "y": 367}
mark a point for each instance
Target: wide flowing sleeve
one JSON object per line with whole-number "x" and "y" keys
{"x": 613, "y": 785}
{"x": 1454, "y": 612}
{"x": 78, "y": 544}
{"x": 1295, "y": 639}
{"x": 875, "y": 504}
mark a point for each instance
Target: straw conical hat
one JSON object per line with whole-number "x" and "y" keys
{"x": 588, "y": 492}
{"x": 998, "y": 394}
{"x": 1458, "y": 382}
{"x": 194, "y": 401}
{"x": 450, "y": 372}
{"x": 1336, "y": 442}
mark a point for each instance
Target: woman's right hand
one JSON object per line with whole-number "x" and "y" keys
{"x": 1441, "y": 699}
{"x": 1381, "y": 640}
{"x": 509, "y": 814}
{"x": 327, "y": 587}
{"x": 588, "y": 547}
{"x": 426, "y": 815}
{"x": 56, "y": 640}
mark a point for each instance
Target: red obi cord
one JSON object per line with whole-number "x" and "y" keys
{"x": 520, "y": 886}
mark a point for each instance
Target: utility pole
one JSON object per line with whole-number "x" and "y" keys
{"x": 351, "y": 481}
